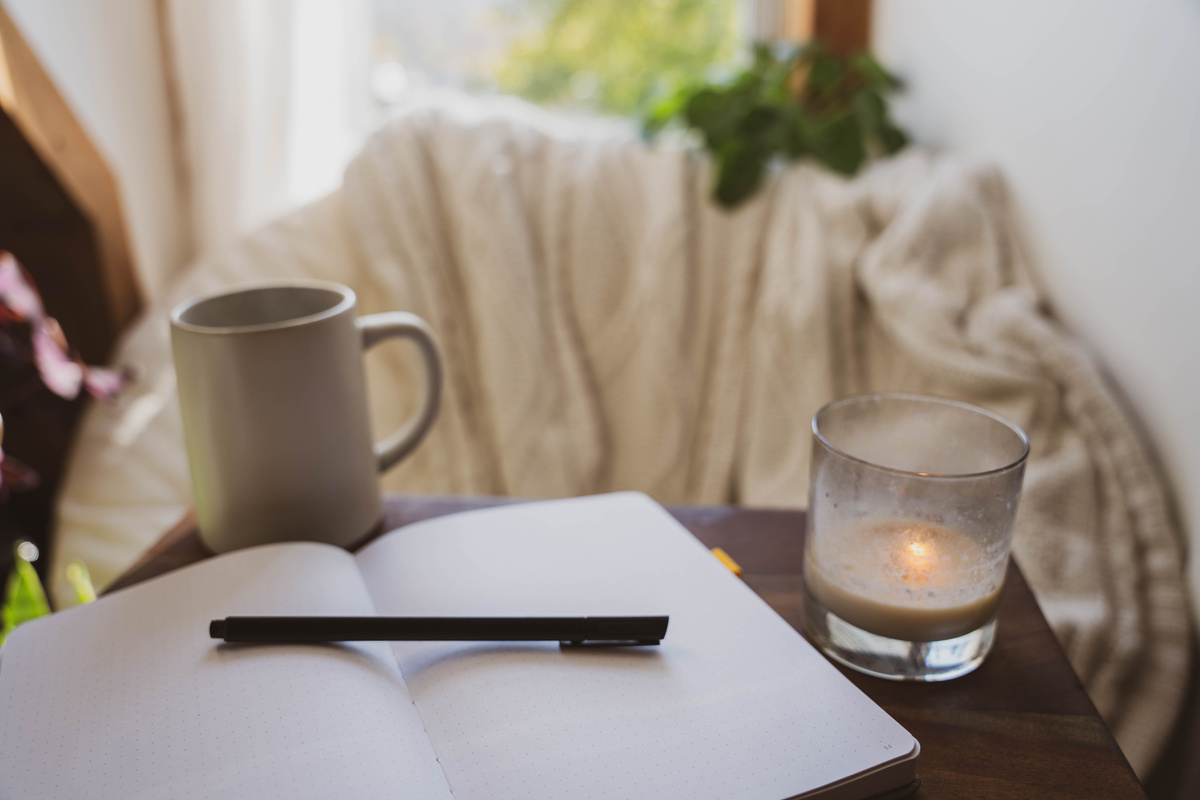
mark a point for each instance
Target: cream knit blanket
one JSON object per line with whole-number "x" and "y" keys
{"x": 605, "y": 327}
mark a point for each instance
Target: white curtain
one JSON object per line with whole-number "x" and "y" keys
{"x": 273, "y": 100}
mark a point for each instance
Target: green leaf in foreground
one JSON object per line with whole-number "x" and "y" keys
{"x": 24, "y": 597}
{"x": 81, "y": 582}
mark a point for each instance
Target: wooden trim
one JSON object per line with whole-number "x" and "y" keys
{"x": 844, "y": 26}
{"x": 62, "y": 214}
{"x": 799, "y": 20}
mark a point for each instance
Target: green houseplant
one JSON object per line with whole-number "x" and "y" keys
{"x": 790, "y": 102}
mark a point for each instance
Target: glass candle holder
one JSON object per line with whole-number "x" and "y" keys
{"x": 910, "y": 517}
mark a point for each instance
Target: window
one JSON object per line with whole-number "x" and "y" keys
{"x": 608, "y": 56}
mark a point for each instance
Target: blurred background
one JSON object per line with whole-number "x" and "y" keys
{"x": 217, "y": 117}
{"x": 1090, "y": 109}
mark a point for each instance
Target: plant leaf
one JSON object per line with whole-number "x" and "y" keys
{"x": 739, "y": 172}
{"x": 24, "y": 597}
{"x": 663, "y": 111}
{"x": 826, "y": 73}
{"x": 870, "y": 110}
{"x": 892, "y": 138}
{"x": 839, "y": 145}
{"x": 758, "y": 122}
{"x": 795, "y": 134}
{"x": 81, "y": 582}
{"x": 799, "y": 101}
{"x": 874, "y": 74}
{"x": 708, "y": 110}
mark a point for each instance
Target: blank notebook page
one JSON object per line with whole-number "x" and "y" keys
{"x": 130, "y": 698}
{"x": 734, "y": 703}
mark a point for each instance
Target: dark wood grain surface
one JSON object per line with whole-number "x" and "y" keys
{"x": 1020, "y": 726}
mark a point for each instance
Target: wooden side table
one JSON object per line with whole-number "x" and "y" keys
{"x": 1021, "y": 726}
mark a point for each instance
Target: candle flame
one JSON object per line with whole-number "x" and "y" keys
{"x": 917, "y": 564}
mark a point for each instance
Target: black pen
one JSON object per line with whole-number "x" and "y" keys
{"x": 590, "y": 631}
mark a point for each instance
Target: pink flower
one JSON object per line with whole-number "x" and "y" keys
{"x": 59, "y": 372}
{"x": 16, "y": 293}
{"x": 105, "y": 384}
{"x": 62, "y": 374}
{"x": 45, "y": 346}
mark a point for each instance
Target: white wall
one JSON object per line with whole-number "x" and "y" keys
{"x": 105, "y": 59}
{"x": 1092, "y": 109}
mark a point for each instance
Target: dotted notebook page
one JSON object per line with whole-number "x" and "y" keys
{"x": 129, "y": 697}
{"x": 733, "y": 703}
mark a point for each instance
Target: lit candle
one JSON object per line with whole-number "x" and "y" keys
{"x": 906, "y": 579}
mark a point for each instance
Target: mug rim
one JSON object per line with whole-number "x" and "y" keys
{"x": 930, "y": 399}
{"x": 347, "y": 302}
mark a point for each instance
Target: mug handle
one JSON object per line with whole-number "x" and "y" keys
{"x": 402, "y": 325}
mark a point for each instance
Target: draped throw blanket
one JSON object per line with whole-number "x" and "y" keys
{"x": 605, "y": 327}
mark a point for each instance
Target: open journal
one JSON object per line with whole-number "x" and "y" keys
{"x": 129, "y": 697}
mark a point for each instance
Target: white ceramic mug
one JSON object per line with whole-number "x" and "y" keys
{"x": 274, "y": 401}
